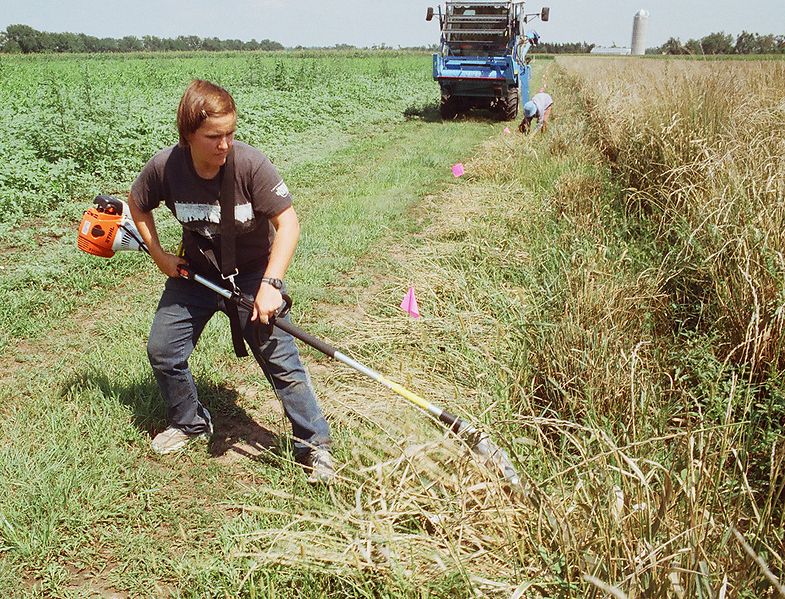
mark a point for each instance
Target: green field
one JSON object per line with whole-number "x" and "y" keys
{"x": 606, "y": 300}
{"x": 74, "y": 127}
{"x": 359, "y": 143}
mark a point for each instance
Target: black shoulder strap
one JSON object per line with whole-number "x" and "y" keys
{"x": 228, "y": 247}
{"x": 228, "y": 250}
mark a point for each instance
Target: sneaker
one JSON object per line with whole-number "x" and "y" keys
{"x": 320, "y": 464}
{"x": 173, "y": 439}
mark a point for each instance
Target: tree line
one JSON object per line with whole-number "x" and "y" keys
{"x": 24, "y": 39}
{"x": 724, "y": 43}
{"x": 561, "y": 48}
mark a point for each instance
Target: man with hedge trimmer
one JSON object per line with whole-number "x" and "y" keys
{"x": 238, "y": 224}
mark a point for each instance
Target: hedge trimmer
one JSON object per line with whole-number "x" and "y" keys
{"x": 107, "y": 228}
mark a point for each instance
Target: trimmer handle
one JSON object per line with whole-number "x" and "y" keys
{"x": 109, "y": 204}
{"x": 284, "y": 308}
{"x": 246, "y": 301}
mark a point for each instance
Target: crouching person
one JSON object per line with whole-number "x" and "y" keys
{"x": 539, "y": 107}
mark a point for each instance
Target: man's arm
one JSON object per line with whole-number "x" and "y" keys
{"x": 287, "y": 234}
{"x": 167, "y": 263}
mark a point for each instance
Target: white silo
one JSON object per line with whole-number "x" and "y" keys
{"x": 639, "y": 25}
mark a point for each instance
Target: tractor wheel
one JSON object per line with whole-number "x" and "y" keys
{"x": 449, "y": 108}
{"x": 508, "y": 106}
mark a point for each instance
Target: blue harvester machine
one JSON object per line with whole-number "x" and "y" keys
{"x": 482, "y": 61}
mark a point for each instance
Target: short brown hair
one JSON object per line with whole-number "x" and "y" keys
{"x": 200, "y": 100}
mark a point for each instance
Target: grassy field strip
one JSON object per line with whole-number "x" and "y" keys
{"x": 80, "y": 399}
{"x": 471, "y": 267}
{"x": 474, "y": 265}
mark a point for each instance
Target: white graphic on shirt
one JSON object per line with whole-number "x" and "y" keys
{"x": 281, "y": 189}
{"x": 211, "y": 213}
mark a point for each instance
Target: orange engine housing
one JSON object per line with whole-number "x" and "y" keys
{"x": 97, "y": 232}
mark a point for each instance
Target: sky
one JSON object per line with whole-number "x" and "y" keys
{"x": 390, "y": 22}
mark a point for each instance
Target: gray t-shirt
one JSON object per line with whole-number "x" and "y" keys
{"x": 259, "y": 192}
{"x": 542, "y": 101}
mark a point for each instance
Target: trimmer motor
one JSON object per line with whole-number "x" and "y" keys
{"x": 107, "y": 228}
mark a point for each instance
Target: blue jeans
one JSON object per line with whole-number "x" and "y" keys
{"x": 183, "y": 311}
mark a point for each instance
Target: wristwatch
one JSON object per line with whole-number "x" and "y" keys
{"x": 277, "y": 283}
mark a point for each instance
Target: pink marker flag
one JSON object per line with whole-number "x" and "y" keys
{"x": 457, "y": 169}
{"x": 507, "y": 130}
{"x": 409, "y": 304}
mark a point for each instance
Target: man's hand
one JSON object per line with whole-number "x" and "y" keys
{"x": 168, "y": 263}
{"x": 287, "y": 232}
{"x": 266, "y": 303}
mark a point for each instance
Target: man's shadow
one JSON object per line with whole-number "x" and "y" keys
{"x": 234, "y": 429}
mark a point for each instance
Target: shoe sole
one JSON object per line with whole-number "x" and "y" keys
{"x": 325, "y": 479}
{"x": 179, "y": 446}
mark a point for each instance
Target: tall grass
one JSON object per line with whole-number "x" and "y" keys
{"x": 652, "y": 461}
{"x": 684, "y": 285}
{"x": 701, "y": 150}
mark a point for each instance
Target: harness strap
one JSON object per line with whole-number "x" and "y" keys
{"x": 226, "y": 199}
{"x": 228, "y": 268}
{"x": 229, "y": 307}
